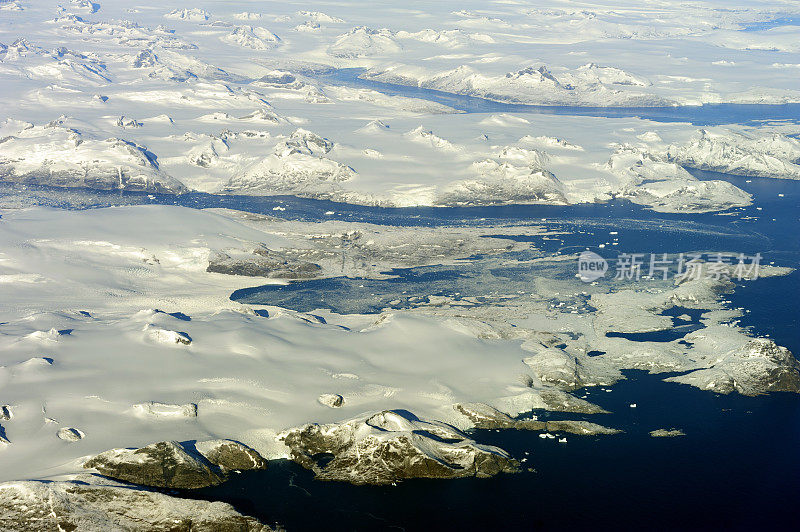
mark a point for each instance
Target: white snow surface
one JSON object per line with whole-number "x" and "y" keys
{"x": 171, "y": 98}
{"x": 82, "y": 329}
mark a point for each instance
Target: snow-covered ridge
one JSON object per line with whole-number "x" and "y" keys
{"x": 590, "y": 85}
{"x": 390, "y": 446}
{"x": 449, "y": 38}
{"x": 297, "y": 166}
{"x": 121, "y": 32}
{"x": 748, "y": 154}
{"x": 665, "y": 186}
{"x": 363, "y": 41}
{"x": 58, "y": 156}
{"x": 531, "y": 169}
{"x": 120, "y": 72}
{"x": 194, "y": 15}
{"x": 255, "y": 38}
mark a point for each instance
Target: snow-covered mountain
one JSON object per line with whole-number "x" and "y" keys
{"x": 589, "y": 85}
{"x": 59, "y": 156}
{"x": 205, "y": 98}
{"x": 740, "y": 153}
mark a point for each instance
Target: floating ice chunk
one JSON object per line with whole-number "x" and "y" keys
{"x": 633, "y": 405}
{"x": 562, "y": 440}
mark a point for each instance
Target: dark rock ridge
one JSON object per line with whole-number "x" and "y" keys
{"x": 484, "y": 416}
{"x": 759, "y": 366}
{"x": 667, "y": 433}
{"x": 231, "y": 455}
{"x": 262, "y": 263}
{"x": 169, "y": 464}
{"x": 392, "y": 445}
{"x": 560, "y": 401}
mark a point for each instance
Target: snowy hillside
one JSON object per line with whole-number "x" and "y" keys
{"x": 211, "y": 98}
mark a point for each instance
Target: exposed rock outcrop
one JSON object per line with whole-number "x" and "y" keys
{"x": 483, "y": 416}
{"x": 231, "y": 455}
{"x": 35, "y": 506}
{"x": 760, "y": 366}
{"x": 70, "y": 434}
{"x": 582, "y": 428}
{"x": 551, "y": 399}
{"x": 169, "y": 464}
{"x": 261, "y": 263}
{"x": 667, "y": 433}
{"x": 390, "y": 446}
{"x": 165, "y": 464}
{"x": 164, "y": 410}
{"x": 333, "y": 400}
